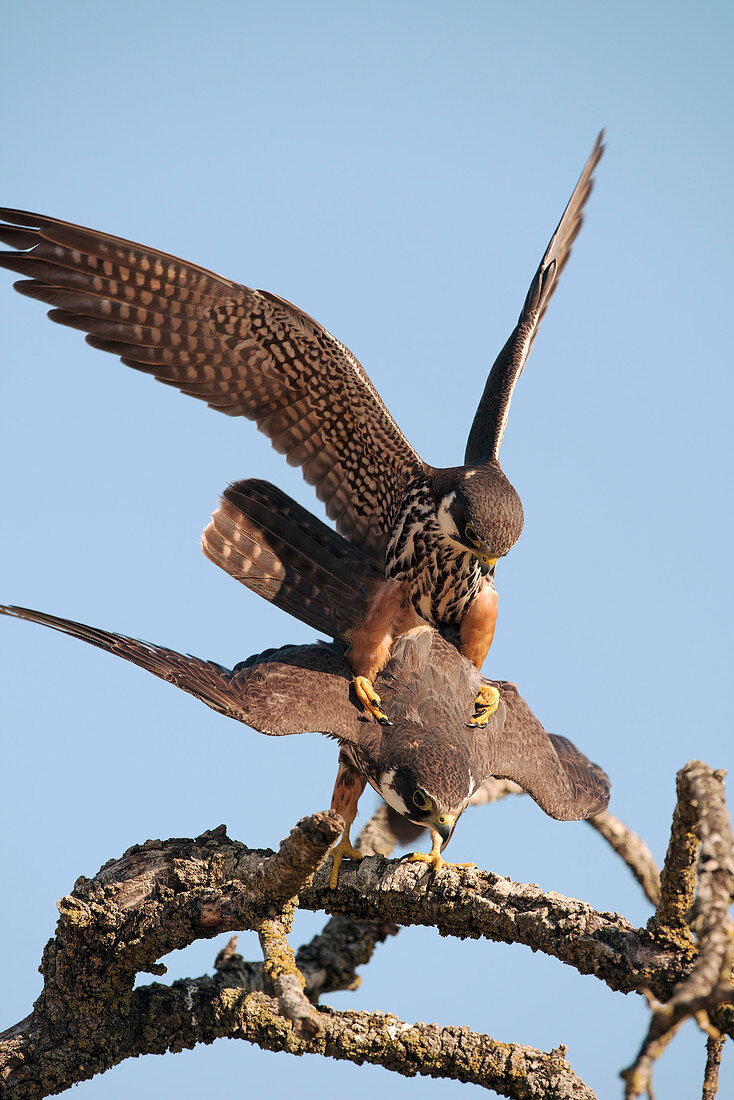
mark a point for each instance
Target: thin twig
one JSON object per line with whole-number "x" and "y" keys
{"x": 633, "y": 850}
{"x": 714, "y": 1051}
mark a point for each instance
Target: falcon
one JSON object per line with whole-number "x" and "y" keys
{"x": 426, "y": 766}
{"x": 435, "y": 535}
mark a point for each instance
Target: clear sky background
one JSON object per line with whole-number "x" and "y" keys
{"x": 396, "y": 169}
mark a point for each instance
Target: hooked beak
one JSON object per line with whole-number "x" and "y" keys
{"x": 486, "y": 563}
{"x": 444, "y": 824}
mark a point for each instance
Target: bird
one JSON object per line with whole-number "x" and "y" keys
{"x": 434, "y": 534}
{"x": 425, "y": 766}
{"x": 281, "y": 551}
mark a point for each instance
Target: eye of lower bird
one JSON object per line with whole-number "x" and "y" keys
{"x": 471, "y": 535}
{"x": 421, "y": 800}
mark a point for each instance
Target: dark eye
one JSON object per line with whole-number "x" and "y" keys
{"x": 471, "y": 535}
{"x": 421, "y": 800}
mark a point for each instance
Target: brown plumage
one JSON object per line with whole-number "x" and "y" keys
{"x": 426, "y": 687}
{"x": 245, "y": 352}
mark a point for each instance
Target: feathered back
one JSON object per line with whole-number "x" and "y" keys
{"x": 435, "y": 684}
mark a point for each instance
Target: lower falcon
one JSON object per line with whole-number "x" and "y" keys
{"x": 426, "y": 766}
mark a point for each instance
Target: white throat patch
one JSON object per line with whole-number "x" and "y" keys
{"x": 445, "y": 520}
{"x": 387, "y": 791}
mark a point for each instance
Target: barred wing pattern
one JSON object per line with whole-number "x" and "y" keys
{"x": 490, "y": 419}
{"x": 245, "y": 352}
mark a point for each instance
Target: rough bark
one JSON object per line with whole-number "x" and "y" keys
{"x": 697, "y": 887}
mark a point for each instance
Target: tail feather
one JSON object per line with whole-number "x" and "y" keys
{"x": 274, "y": 546}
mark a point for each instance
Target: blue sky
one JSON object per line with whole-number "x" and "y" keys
{"x": 396, "y": 170}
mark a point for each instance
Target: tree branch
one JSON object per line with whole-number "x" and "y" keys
{"x": 190, "y": 1017}
{"x": 474, "y": 904}
{"x": 163, "y": 894}
{"x": 158, "y": 897}
{"x": 628, "y": 845}
{"x": 701, "y": 835}
{"x": 714, "y": 1050}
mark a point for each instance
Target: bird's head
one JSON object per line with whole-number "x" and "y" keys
{"x": 480, "y": 511}
{"x": 431, "y": 784}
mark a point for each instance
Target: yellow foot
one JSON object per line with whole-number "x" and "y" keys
{"x": 485, "y": 705}
{"x": 434, "y": 856}
{"x": 370, "y": 700}
{"x": 436, "y": 861}
{"x": 343, "y": 850}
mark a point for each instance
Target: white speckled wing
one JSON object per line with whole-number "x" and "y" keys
{"x": 245, "y": 352}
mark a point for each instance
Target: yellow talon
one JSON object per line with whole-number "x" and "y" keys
{"x": 343, "y": 850}
{"x": 485, "y": 704}
{"x": 369, "y": 699}
{"x": 438, "y": 862}
{"x": 435, "y": 858}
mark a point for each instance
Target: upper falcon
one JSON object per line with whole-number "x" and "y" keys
{"x": 436, "y": 533}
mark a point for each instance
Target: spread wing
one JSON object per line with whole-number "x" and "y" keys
{"x": 428, "y": 675}
{"x": 490, "y": 419}
{"x": 245, "y": 352}
{"x": 295, "y": 689}
{"x": 556, "y": 775}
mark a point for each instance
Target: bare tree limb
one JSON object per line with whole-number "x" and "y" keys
{"x": 157, "y": 897}
{"x": 330, "y": 960}
{"x": 701, "y": 831}
{"x": 628, "y": 845}
{"x": 282, "y": 968}
{"x": 381, "y": 1039}
{"x": 493, "y": 790}
{"x": 633, "y": 850}
{"x": 678, "y": 877}
{"x": 161, "y": 894}
{"x": 473, "y": 904}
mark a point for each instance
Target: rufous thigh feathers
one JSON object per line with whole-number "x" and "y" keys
{"x": 348, "y": 789}
{"x": 389, "y": 613}
{"x": 477, "y": 627}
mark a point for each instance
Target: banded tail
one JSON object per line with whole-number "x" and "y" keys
{"x": 274, "y": 546}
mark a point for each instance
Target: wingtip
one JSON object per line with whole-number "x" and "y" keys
{"x": 599, "y": 147}
{"x": 25, "y": 218}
